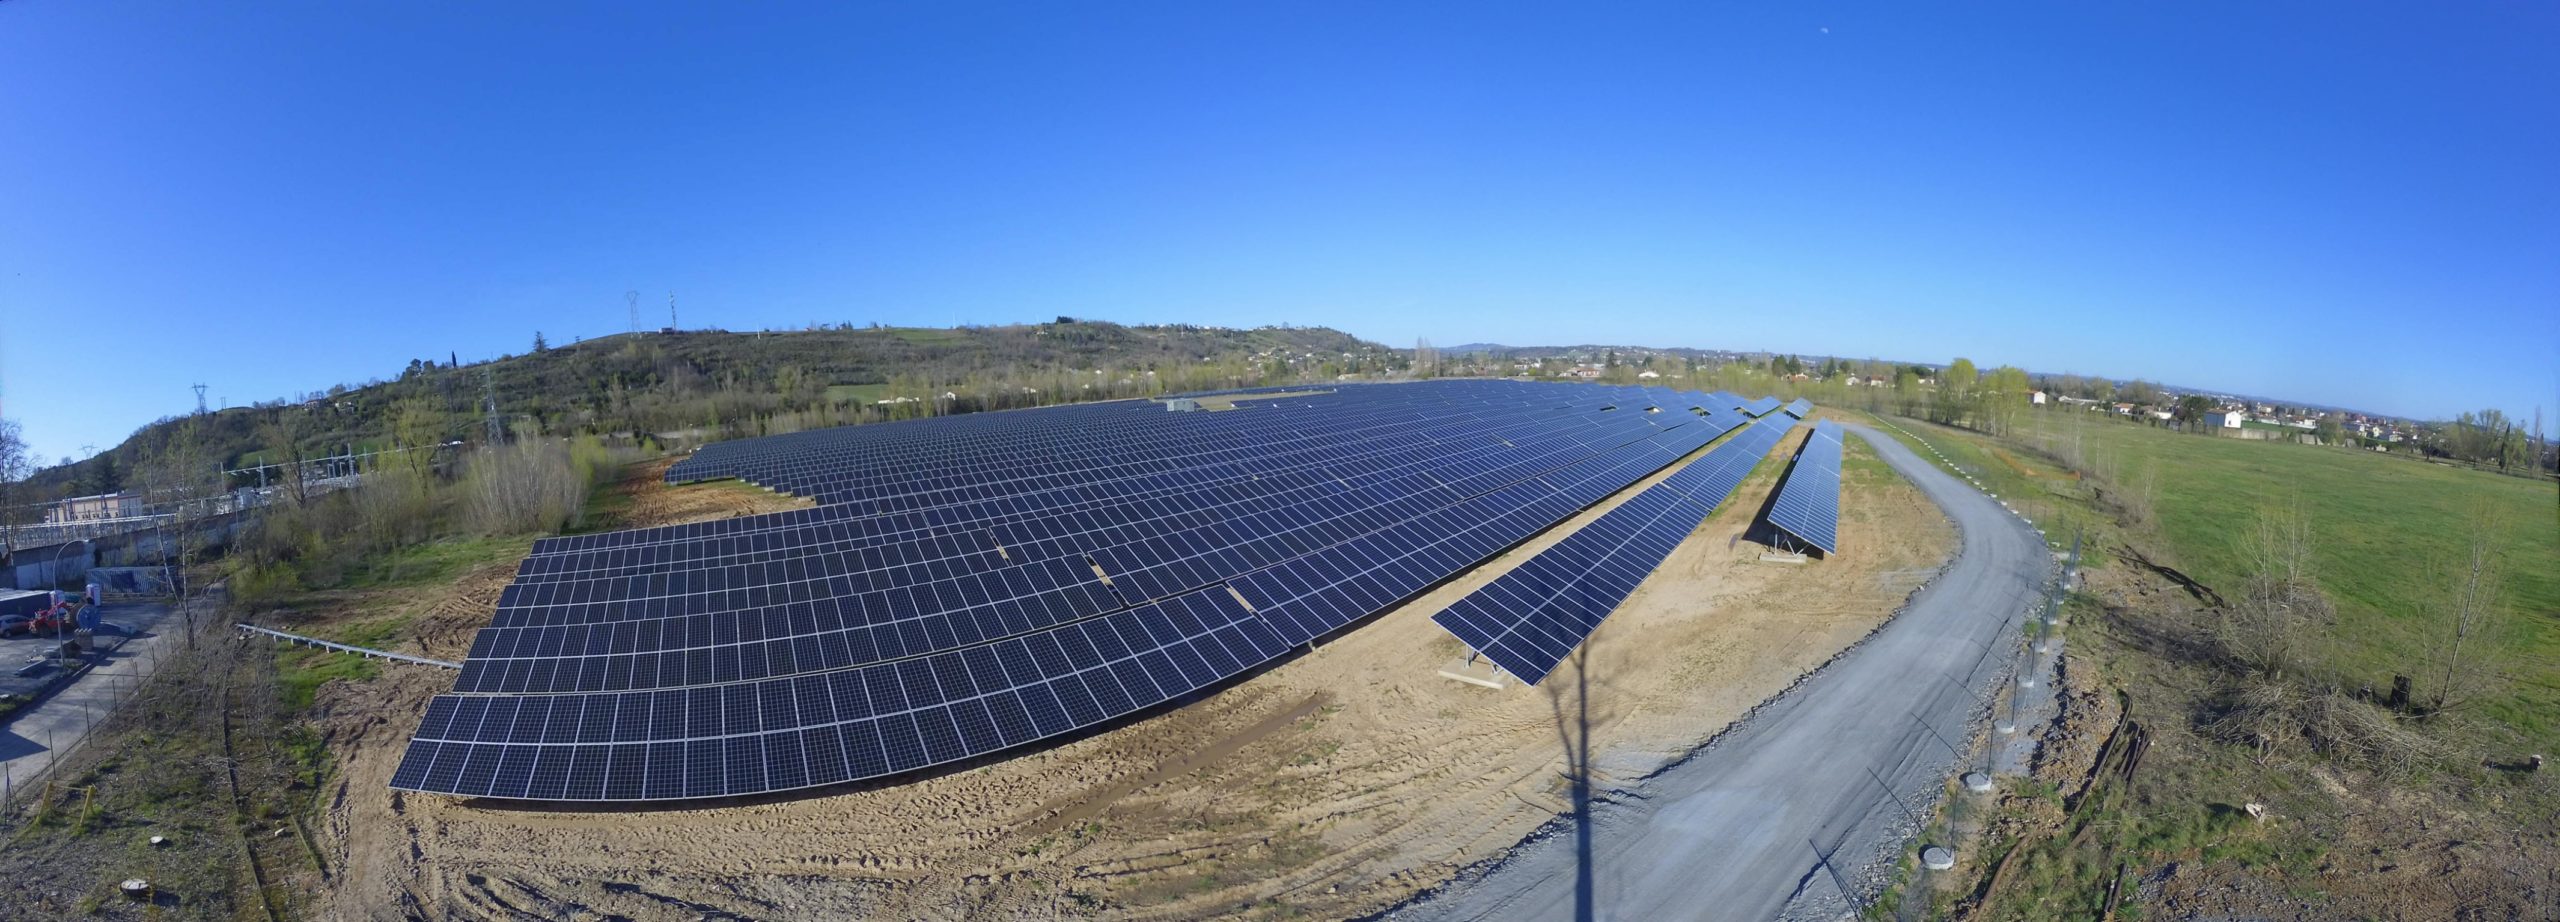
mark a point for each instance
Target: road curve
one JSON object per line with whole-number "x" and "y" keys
{"x": 1819, "y": 786}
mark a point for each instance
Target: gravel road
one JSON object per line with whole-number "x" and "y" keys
{"x": 1810, "y": 797}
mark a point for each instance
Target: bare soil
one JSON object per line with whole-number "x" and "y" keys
{"x": 1334, "y": 784}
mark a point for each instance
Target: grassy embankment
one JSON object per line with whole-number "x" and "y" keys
{"x": 2383, "y": 530}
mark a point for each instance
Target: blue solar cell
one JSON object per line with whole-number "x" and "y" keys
{"x": 1808, "y": 502}
{"x": 1531, "y": 618}
{"x": 942, "y": 601}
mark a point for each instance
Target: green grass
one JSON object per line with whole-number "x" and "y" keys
{"x": 2380, "y": 524}
{"x": 300, "y": 671}
{"x": 432, "y": 562}
{"x": 858, "y": 393}
{"x": 929, "y": 336}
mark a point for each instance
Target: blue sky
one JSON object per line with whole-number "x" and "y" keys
{"x": 2344, "y": 203}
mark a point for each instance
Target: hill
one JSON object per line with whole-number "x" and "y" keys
{"x": 702, "y": 385}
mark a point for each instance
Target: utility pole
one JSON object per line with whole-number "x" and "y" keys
{"x": 199, "y": 399}
{"x": 489, "y": 396}
{"x": 671, "y": 312}
{"x": 632, "y": 298}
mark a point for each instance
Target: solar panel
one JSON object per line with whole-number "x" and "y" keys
{"x": 845, "y": 725}
{"x": 1761, "y": 407}
{"x": 1800, "y": 409}
{"x": 971, "y": 584}
{"x": 1529, "y": 619}
{"x": 1808, "y": 503}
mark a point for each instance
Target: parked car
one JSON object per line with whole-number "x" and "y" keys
{"x": 14, "y": 625}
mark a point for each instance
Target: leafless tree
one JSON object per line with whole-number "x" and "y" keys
{"x": 2270, "y": 631}
{"x": 281, "y": 431}
{"x": 15, "y": 465}
{"x": 2467, "y": 617}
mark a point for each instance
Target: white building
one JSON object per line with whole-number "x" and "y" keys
{"x": 2036, "y": 398}
{"x": 2225, "y": 419}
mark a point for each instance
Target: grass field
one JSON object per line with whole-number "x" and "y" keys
{"x": 2382, "y": 526}
{"x": 857, "y": 393}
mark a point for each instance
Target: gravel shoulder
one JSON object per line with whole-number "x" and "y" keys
{"x": 1811, "y": 797}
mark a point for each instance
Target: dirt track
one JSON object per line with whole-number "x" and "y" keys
{"x": 1335, "y": 784}
{"x": 1803, "y": 799}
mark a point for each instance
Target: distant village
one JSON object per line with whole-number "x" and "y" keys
{"x": 2485, "y": 437}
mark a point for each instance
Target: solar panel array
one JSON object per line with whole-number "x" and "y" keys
{"x": 1528, "y": 620}
{"x": 1808, "y": 503}
{"x": 975, "y": 583}
{"x": 1800, "y": 409}
{"x": 1761, "y": 407}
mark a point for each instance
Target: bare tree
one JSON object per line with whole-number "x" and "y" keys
{"x": 2468, "y": 616}
{"x": 282, "y": 434}
{"x": 2281, "y": 612}
{"x": 15, "y": 465}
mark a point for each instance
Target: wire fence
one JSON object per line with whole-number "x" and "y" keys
{"x": 121, "y": 678}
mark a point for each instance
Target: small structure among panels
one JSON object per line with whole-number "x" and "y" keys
{"x": 1528, "y": 620}
{"x": 1800, "y": 409}
{"x": 1808, "y": 503}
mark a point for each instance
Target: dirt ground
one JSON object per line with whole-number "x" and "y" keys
{"x": 1334, "y": 784}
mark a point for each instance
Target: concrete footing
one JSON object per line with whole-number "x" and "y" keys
{"x": 1977, "y": 782}
{"x": 1476, "y": 673}
{"x": 1937, "y": 859}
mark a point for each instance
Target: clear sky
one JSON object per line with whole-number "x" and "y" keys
{"x": 2346, "y": 203}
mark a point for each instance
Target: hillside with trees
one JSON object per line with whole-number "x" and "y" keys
{"x": 696, "y": 386}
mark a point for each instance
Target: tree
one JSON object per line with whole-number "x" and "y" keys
{"x": 15, "y": 464}
{"x": 2467, "y": 617}
{"x": 281, "y": 432}
{"x": 1906, "y": 391}
{"x": 417, "y": 429}
{"x": 2281, "y": 611}
{"x": 102, "y": 476}
{"x": 2004, "y": 393}
{"x": 539, "y": 345}
{"x": 2331, "y": 431}
{"x": 2191, "y": 411}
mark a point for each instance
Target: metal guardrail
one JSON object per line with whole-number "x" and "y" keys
{"x": 344, "y": 648}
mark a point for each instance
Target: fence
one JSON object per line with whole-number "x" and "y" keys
{"x": 120, "y": 679}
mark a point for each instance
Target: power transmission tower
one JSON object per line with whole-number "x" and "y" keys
{"x": 671, "y": 312}
{"x": 632, "y": 298}
{"x": 489, "y": 394}
{"x": 199, "y": 399}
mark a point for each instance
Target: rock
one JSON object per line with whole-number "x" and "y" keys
{"x": 2256, "y": 811}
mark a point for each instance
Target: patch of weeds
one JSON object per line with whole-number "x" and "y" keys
{"x": 1322, "y": 750}
{"x": 300, "y": 671}
{"x": 431, "y": 562}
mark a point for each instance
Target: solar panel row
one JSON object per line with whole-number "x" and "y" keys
{"x": 1808, "y": 503}
{"x": 1529, "y": 619}
{"x": 1761, "y": 407}
{"x": 1800, "y": 409}
{"x": 691, "y": 661}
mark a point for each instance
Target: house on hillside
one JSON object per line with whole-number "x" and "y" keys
{"x": 1648, "y": 374}
{"x": 2226, "y": 418}
{"x": 2036, "y": 398}
{"x": 1855, "y": 381}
